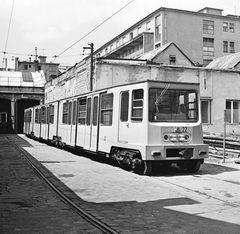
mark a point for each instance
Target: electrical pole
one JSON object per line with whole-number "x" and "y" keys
{"x": 91, "y": 62}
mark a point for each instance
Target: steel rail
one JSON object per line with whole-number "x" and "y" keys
{"x": 81, "y": 212}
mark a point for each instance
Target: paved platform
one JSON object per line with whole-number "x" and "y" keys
{"x": 129, "y": 203}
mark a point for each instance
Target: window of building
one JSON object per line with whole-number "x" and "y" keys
{"x": 208, "y": 47}
{"x": 25, "y": 67}
{"x": 124, "y": 106}
{"x": 106, "y": 109}
{"x": 208, "y": 27}
{"x": 3, "y": 117}
{"x": 225, "y": 27}
{"x": 232, "y": 47}
{"x": 111, "y": 48}
{"x": 231, "y": 27}
{"x": 95, "y": 111}
{"x": 148, "y": 26}
{"x": 123, "y": 40}
{"x": 65, "y": 113}
{"x": 225, "y": 47}
{"x": 172, "y": 59}
{"x": 139, "y": 30}
{"x": 106, "y": 50}
{"x": 82, "y": 111}
{"x": 39, "y": 68}
{"x": 232, "y": 111}
{"x": 137, "y": 105}
{"x": 131, "y": 35}
{"x": 117, "y": 44}
{"x": 206, "y": 111}
{"x": 51, "y": 114}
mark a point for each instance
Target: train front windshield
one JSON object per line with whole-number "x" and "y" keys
{"x": 172, "y": 105}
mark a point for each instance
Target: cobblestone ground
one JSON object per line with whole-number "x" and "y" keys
{"x": 27, "y": 205}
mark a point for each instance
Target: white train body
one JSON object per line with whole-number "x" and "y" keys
{"x": 136, "y": 124}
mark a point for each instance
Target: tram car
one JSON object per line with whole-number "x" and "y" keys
{"x": 137, "y": 125}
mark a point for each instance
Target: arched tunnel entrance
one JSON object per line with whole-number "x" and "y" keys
{"x": 21, "y": 105}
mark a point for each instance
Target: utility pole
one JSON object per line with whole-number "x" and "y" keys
{"x": 91, "y": 47}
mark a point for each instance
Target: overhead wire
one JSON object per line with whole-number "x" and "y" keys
{"x": 95, "y": 28}
{"x": 8, "y": 32}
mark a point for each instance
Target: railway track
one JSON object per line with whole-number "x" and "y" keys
{"x": 80, "y": 211}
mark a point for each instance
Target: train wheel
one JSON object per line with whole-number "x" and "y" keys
{"x": 193, "y": 166}
{"x": 147, "y": 168}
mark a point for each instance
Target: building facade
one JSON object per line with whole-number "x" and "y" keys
{"x": 202, "y": 35}
{"x": 50, "y": 70}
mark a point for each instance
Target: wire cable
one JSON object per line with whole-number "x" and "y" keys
{"x": 94, "y": 29}
{"x": 9, "y": 26}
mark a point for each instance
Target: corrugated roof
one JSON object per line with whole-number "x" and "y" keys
{"x": 226, "y": 62}
{"x": 13, "y": 78}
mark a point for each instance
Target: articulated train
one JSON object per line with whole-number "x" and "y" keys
{"x": 138, "y": 124}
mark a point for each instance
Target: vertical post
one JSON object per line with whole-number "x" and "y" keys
{"x": 224, "y": 136}
{"x": 91, "y": 64}
{"x": 91, "y": 71}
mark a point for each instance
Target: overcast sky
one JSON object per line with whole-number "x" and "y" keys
{"x": 54, "y": 25}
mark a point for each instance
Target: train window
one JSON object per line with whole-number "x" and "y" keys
{"x": 51, "y": 114}
{"x": 106, "y": 109}
{"x": 3, "y": 117}
{"x": 70, "y": 113}
{"x": 65, "y": 113}
{"x": 82, "y": 111}
{"x": 172, "y": 105}
{"x": 36, "y": 116}
{"x": 137, "y": 105}
{"x": 95, "y": 110}
{"x": 74, "y": 112}
{"x": 43, "y": 114}
{"x": 88, "y": 111}
{"x": 124, "y": 106}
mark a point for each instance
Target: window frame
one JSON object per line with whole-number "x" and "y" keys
{"x": 231, "y": 115}
{"x": 82, "y": 110}
{"x": 208, "y": 27}
{"x": 208, "y": 114}
{"x": 106, "y": 109}
{"x": 51, "y": 114}
{"x": 135, "y": 107}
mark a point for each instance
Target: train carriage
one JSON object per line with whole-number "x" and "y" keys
{"x": 137, "y": 125}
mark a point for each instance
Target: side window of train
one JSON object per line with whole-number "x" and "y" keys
{"x": 95, "y": 111}
{"x": 36, "y": 115}
{"x": 74, "y": 112}
{"x": 137, "y": 105}
{"x": 30, "y": 116}
{"x": 70, "y": 113}
{"x": 65, "y": 113}
{"x": 43, "y": 116}
{"x": 89, "y": 101}
{"x": 82, "y": 111}
{"x": 51, "y": 114}
{"x": 124, "y": 106}
{"x": 106, "y": 109}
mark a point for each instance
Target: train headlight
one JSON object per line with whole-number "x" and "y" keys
{"x": 173, "y": 137}
{"x": 183, "y": 137}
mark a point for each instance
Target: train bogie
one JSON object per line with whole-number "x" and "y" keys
{"x": 136, "y": 125}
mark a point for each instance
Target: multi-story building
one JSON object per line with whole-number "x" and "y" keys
{"x": 202, "y": 35}
{"x": 50, "y": 70}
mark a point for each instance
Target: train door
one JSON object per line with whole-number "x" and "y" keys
{"x": 81, "y": 121}
{"x": 124, "y": 117}
{"x": 88, "y": 128}
{"x": 95, "y": 123}
{"x": 72, "y": 121}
